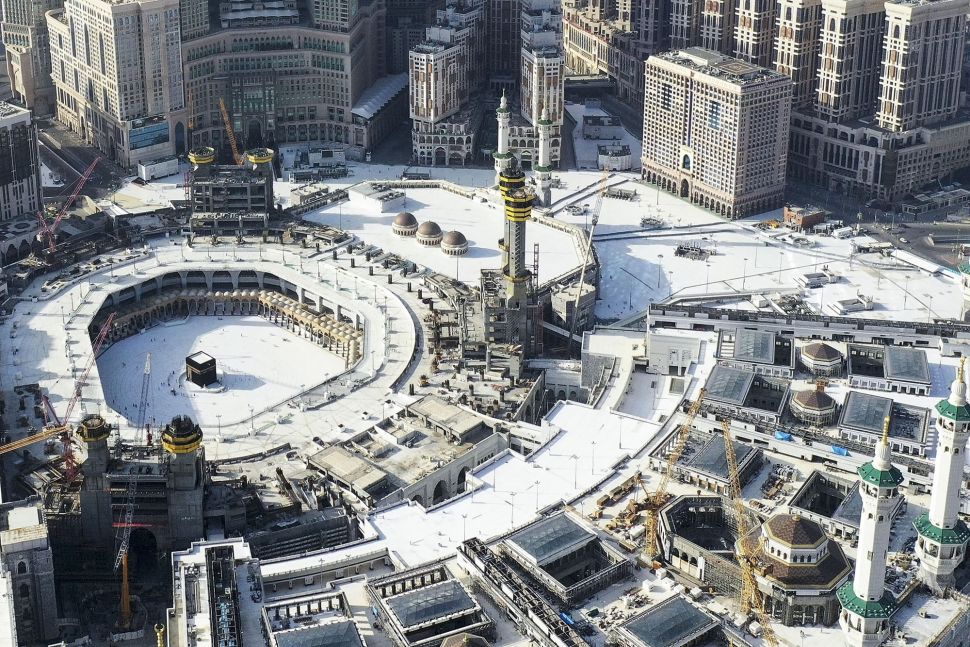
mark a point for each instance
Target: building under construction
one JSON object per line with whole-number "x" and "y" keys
{"x": 232, "y": 200}
{"x": 163, "y": 487}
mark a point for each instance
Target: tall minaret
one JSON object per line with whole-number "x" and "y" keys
{"x": 544, "y": 168}
{"x": 942, "y": 542}
{"x": 518, "y": 210}
{"x": 866, "y": 604}
{"x": 503, "y": 158}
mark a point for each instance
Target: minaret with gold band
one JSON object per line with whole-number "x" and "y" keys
{"x": 182, "y": 441}
{"x": 518, "y": 210}
{"x": 941, "y": 544}
{"x": 866, "y": 604}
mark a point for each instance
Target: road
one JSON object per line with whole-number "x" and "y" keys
{"x": 62, "y": 149}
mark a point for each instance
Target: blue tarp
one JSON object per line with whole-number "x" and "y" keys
{"x": 567, "y": 618}
{"x": 782, "y": 435}
{"x": 841, "y": 451}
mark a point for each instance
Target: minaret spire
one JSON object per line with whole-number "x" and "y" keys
{"x": 866, "y": 604}
{"x": 942, "y": 537}
{"x": 543, "y": 168}
{"x": 502, "y": 156}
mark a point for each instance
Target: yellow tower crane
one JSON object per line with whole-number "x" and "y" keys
{"x": 751, "y": 600}
{"x": 658, "y": 497}
{"x": 229, "y": 132}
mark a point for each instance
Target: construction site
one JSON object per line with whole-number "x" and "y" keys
{"x": 387, "y": 412}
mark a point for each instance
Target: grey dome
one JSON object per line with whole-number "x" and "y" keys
{"x": 455, "y": 238}
{"x": 429, "y": 228}
{"x": 405, "y": 219}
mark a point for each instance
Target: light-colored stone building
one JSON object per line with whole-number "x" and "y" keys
{"x": 24, "y": 29}
{"x": 797, "y": 46}
{"x": 26, "y": 555}
{"x": 715, "y": 131}
{"x": 444, "y": 72}
{"x": 117, "y": 71}
{"x": 20, "y": 187}
{"x": 886, "y": 119}
{"x": 285, "y": 83}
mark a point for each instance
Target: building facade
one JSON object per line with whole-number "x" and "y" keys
{"x": 445, "y": 71}
{"x": 715, "y": 131}
{"x": 25, "y": 38}
{"x": 283, "y": 79}
{"x": 117, "y": 71}
{"x": 885, "y": 120}
{"x": 446, "y": 74}
{"x": 26, "y": 554}
{"x": 20, "y": 185}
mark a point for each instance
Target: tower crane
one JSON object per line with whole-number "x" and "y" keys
{"x": 121, "y": 558}
{"x": 60, "y": 426}
{"x": 751, "y": 600}
{"x": 229, "y": 132}
{"x": 48, "y": 230}
{"x": 600, "y": 192}
{"x": 656, "y": 499}
{"x": 140, "y": 423}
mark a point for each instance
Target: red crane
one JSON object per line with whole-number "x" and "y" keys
{"x": 60, "y": 426}
{"x": 48, "y": 230}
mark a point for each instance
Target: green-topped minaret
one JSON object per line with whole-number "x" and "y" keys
{"x": 866, "y": 604}
{"x": 941, "y": 544}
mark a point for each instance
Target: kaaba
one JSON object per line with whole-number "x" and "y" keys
{"x": 200, "y": 368}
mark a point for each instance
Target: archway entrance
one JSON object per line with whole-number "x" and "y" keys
{"x": 254, "y": 137}
{"x": 685, "y": 189}
{"x": 440, "y": 493}
{"x": 142, "y": 554}
{"x": 440, "y": 157}
{"x": 462, "y": 479}
{"x": 180, "y": 138}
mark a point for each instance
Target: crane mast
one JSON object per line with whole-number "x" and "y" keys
{"x": 48, "y": 230}
{"x": 230, "y": 133}
{"x": 60, "y": 425}
{"x": 750, "y": 599}
{"x": 600, "y": 192}
{"x": 658, "y": 498}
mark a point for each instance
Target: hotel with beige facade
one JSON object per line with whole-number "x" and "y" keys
{"x": 715, "y": 131}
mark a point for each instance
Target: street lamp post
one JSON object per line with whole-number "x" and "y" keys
{"x": 707, "y": 280}
{"x": 660, "y": 268}
{"x": 906, "y": 292}
{"x": 744, "y": 277}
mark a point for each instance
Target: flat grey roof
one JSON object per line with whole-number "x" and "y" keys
{"x": 727, "y": 384}
{"x": 754, "y": 346}
{"x": 200, "y": 357}
{"x": 672, "y": 623}
{"x": 342, "y": 633}
{"x": 907, "y": 364}
{"x": 712, "y": 460}
{"x": 551, "y": 538}
{"x": 430, "y": 602}
{"x": 865, "y": 412}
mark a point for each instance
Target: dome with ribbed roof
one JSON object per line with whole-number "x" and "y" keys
{"x": 815, "y": 399}
{"x": 405, "y": 224}
{"x": 429, "y": 233}
{"x": 820, "y": 351}
{"x": 454, "y": 243}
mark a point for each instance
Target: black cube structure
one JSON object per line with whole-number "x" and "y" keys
{"x": 200, "y": 369}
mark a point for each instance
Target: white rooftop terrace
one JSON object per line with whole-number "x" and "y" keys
{"x": 39, "y": 333}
